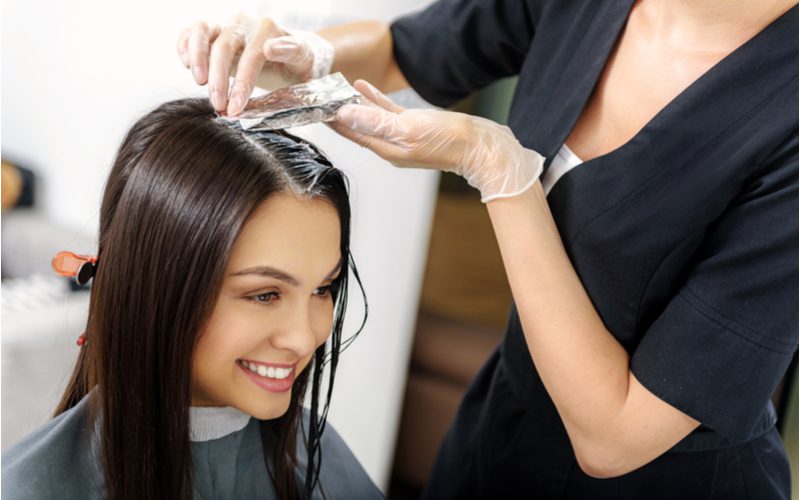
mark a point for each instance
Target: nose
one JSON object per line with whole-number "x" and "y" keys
{"x": 297, "y": 332}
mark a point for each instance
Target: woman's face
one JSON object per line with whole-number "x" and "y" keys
{"x": 274, "y": 309}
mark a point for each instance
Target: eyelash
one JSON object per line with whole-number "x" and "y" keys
{"x": 325, "y": 293}
{"x": 257, "y": 298}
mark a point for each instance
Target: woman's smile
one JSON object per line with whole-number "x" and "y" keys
{"x": 272, "y": 377}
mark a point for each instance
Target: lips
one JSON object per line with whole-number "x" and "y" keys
{"x": 272, "y": 377}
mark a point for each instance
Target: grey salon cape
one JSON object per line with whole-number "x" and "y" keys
{"x": 61, "y": 460}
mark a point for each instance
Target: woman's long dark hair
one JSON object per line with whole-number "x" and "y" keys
{"x": 181, "y": 188}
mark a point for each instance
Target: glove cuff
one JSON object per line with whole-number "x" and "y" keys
{"x": 518, "y": 176}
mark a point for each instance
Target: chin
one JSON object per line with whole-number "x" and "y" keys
{"x": 275, "y": 409}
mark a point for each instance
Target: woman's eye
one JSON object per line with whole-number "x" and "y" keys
{"x": 264, "y": 298}
{"x": 323, "y": 291}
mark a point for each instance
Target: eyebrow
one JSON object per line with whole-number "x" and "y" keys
{"x": 272, "y": 272}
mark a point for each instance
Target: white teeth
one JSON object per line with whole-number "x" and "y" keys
{"x": 267, "y": 371}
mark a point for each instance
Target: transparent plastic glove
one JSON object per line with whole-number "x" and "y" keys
{"x": 260, "y": 44}
{"x": 485, "y": 153}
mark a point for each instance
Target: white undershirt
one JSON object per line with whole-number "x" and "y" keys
{"x": 213, "y": 422}
{"x": 564, "y": 161}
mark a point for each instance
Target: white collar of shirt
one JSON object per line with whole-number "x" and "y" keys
{"x": 207, "y": 423}
{"x": 564, "y": 161}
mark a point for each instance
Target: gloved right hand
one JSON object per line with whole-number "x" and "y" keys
{"x": 483, "y": 152}
{"x": 260, "y": 44}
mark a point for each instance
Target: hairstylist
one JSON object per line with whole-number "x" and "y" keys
{"x": 645, "y": 203}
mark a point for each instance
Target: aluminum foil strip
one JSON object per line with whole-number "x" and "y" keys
{"x": 302, "y": 104}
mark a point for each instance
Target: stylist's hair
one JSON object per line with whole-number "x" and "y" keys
{"x": 179, "y": 193}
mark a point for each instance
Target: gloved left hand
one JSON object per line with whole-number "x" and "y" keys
{"x": 263, "y": 49}
{"x": 485, "y": 153}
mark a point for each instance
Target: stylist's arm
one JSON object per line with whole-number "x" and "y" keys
{"x": 614, "y": 423}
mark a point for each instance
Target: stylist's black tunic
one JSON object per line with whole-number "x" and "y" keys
{"x": 685, "y": 238}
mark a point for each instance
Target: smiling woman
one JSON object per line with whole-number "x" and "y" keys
{"x": 277, "y": 288}
{"x": 218, "y": 298}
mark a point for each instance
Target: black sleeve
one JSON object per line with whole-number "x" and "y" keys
{"x": 456, "y": 46}
{"x": 721, "y": 345}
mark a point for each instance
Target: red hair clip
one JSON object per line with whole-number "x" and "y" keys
{"x": 82, "y": 267}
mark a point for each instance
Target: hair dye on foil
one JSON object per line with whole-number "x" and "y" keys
{"x": 297, "y": 105}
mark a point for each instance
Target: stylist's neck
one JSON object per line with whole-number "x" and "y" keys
{"x": 709, "y": 25}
